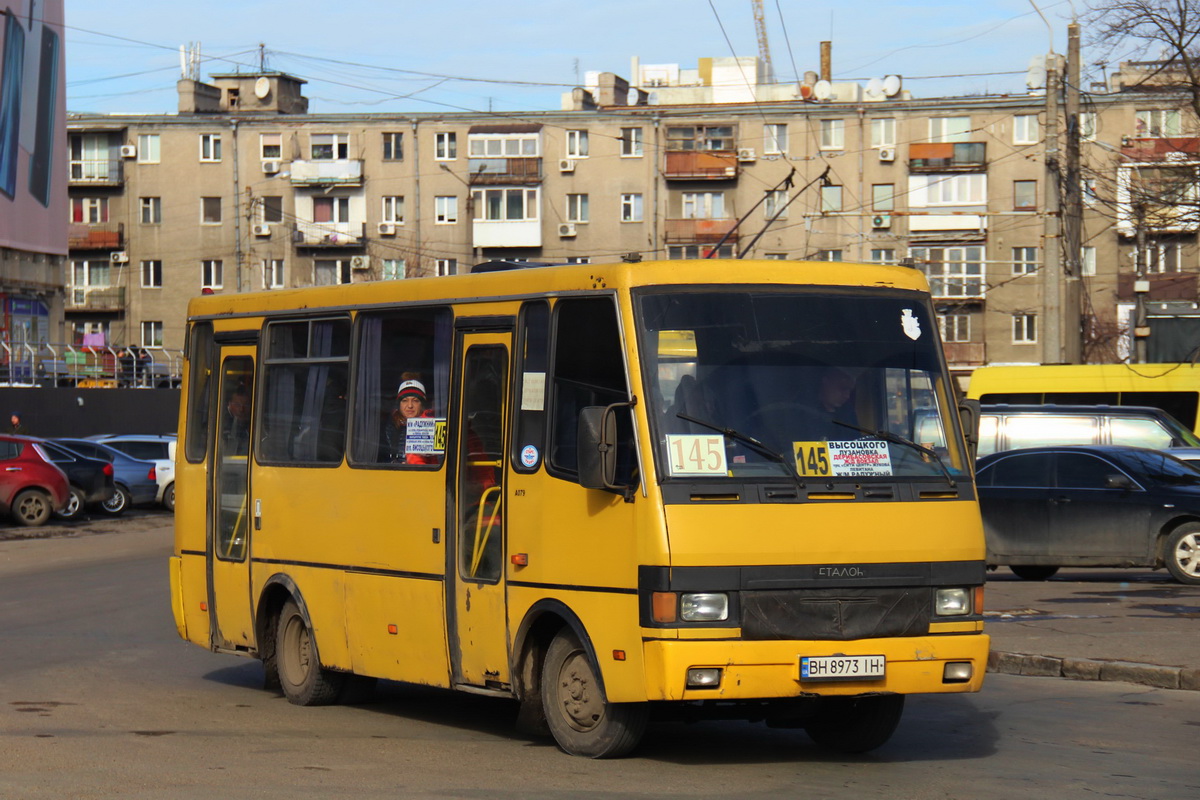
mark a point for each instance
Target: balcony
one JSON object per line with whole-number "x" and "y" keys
{"x": 97, "y": 172}
{"x": 95, "y": 236}
{"x": 947, "y": 157}
{"x": 702, "y": 165}
{"x": 504, "y": 170}
{"x": 506, "y": 233}
{"x": 328, "y": 234}
{"x": 328, "y": 173}
{"x": 700, "y": 231}
{"x": 95, "y": 298}
{"x": 965, "y": 354}
{"x": 955, "y": 281}
{"x": 1170, "y": 150}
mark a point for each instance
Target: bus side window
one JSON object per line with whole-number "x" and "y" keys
{"x": 199, "y": 388}
{"x": 533, "y": 353}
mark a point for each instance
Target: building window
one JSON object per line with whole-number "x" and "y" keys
{"x": 947, "y": 190}
{"x": 212, "y": 274}
{"x": 700, "y": 137}
{"x": 270, "y": 209}
{"x": 89, "y": 210}
{"x": 210, "y": 210}
{"x": 775, "y": 139}
{"x": 331, "y": 209}
{"x": 955, "y": 327}
{"x": 393, "y": 209}
{"x": 210, "y": 147}
{"x": 151, "y": 210}
{"x": 1162, "y": 257}
{"x": 682, "y": 252}
{"x": 502, "y": 145}
{"x": 578, "y": 260}
{"x": 445, "y": 210}
{"x": 577, "y": 208}
{"x": 445, "y": 146}
{"x": 446, "y": 266}
{"x": 1087, "y": 260}
{"x": 152, "y": 275}
{"x": 883, "y": 132}
{"x": 577, "y": 144}
{"x": 833, "y": 134}
{"x": 92, "y": 274}
{"x": 883, "y": 255}
{"x": 1024, "y": 260}
{"x": 329, "y": 147}
{"x": 270, "y": 146}
{"x": 331, "y": 271}
{"x": 393, "y": 269}
{"x": 1024, "y": 328}
{"x": 949, "y": 129}
{"x": 1025, "y": 195}
{"x": 149, "y": 148}
{"x": 1087, "y": 125}
{"x": 883, "y": 196}
{"x": 1158, "y": 123}
{"x": 89, "y": 157}
{"x": 829, "y": 255}
{"x": 831, "y": 199}
{"x": 505, "y": 205}
{"x": 631, "y": 208}
{"x": 1025, "y": 129}
{"x": 393, "y": 146}
{"x": 776, "y": 203}
{"x": 631, "y": 142}
{"x": 952, "y": 271}
{"x": 775, "y": 256}
{"x": 272, "y": 273}
{"x": 152, "y": 334}
{"x": 703, "y": 205}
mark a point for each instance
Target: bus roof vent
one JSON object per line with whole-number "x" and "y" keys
{"x": 500, "y": 265}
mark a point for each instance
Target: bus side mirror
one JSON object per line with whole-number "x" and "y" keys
{"x": 596, "y": 447}
{"x": 969, "y": 413}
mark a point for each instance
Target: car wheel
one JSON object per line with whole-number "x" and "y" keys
{"x": 855, "y": 724}
{"x": 169, "y": 497}
{"x": 74, "y": 506}
{"x": 1182, "y": 554}
{"x": 116, "y": 505}
{"x": 303, "y": 680}
{"x": 1033, "y": 572}
{"x": 32, "y": 507}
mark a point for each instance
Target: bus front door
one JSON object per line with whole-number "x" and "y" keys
{"x": 230, "y": 515}
{"x": 477, "y": 625}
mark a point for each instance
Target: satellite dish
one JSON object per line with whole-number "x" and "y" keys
{"x": 823, "y": 90}
{"x": 875, "y": 88}
{"x": 891, "y": 85}
{"x": 262, "y": 87}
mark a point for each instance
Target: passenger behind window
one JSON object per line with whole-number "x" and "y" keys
{"x": 411, "y": 403}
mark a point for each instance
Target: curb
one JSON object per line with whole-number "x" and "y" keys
{"x": 1087, "y": 669}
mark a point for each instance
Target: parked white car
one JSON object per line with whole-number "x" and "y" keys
{"x": 156, "y": 447}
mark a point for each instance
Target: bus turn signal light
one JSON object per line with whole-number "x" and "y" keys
{"x": 520, "y": 559}
{"x": 664, "y": 607}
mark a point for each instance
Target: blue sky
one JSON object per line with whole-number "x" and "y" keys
{"x": 365, "y": 56}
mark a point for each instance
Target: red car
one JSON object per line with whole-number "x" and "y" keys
{"x": 31, "y": 487}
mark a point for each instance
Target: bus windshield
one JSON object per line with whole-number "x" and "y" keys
{"x": 833, "y": 383}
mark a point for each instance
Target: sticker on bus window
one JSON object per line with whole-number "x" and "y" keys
{"x": 425, "y": 436}
{"x": 696, "y": 454}
{"x": 533, "y": 391}
{"x": 856, "y": 457}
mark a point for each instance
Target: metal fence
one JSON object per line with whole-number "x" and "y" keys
{"x": 89, "y": 366}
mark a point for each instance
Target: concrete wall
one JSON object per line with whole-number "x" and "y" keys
{"x": 83, "y": 412}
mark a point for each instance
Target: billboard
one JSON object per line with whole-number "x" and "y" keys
{"x": 33, "y": 131}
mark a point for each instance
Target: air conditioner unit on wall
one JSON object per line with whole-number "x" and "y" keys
{"x": 128, "y": 151}
{"x": 119, "y": 257}
{"x": 360, "y": 262}
{"x": 387, "y": 229}
{"x": 745, "y": 154}
{"x": 566, "y": 230}
{"x": 270, "y": 167}
{"x": 881, "y": 221}
{"x": 887, "y": 154}
{"x": 566, "y": 165}
{"x": 262, "y": 230}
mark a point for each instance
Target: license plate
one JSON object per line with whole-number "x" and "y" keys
{"x": 841, "y": 668}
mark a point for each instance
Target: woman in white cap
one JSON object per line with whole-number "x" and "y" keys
{"x": 411, "y": 402}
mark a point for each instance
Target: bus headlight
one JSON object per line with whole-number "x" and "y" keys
{"x": 952, "y": 602}
{"x": 706, "y": 607}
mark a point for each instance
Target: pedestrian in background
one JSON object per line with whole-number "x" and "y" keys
{"x": 15, "y": 425}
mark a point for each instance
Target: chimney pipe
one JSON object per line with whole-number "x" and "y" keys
{"x": 827, "y": 61}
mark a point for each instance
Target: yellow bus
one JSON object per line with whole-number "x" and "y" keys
{"x": 1175, "y": 388}
{"x": 620, "y": 490}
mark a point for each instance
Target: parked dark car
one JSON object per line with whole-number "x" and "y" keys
{"x": 1090, "y": 506}
{"x": 156, "y": 447}
{"x": 31, "y": 487}
{"x": 136, "y": 480}
{"x": 91, "y": 479}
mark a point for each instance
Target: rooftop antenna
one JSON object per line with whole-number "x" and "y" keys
{"x": 764, "y": 48}
{"x": 262, "y": 57}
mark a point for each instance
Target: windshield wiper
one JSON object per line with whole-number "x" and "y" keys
{"x": 764, "y": 449}
{"x": 888, "y": 436}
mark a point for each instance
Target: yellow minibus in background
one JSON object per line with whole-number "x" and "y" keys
{"x": 1175, "y": 388}
{"x": 682, "y": 486}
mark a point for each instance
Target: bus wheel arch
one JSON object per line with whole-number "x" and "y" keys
{"x": 277, "y": 591}
{"x": 541, "y": 624}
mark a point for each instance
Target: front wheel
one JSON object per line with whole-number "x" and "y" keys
{"x": 579, "y": 716}
{"x": 856, "y": 724}
{"x": 1033, "y": 572}
{"x": 74, "y": 506}
{"x": 1182, "y": 554}
{"x": 116, "y": 505}
{"x": 32, "y": 507}
{"x": 303, "y": 680}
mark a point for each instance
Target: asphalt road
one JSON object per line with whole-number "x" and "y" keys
{"x": 100, "y": 699}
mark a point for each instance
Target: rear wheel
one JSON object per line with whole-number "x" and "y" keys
{"x": 303, "y": 680}
{"x": 580, "y": 718}
{"x": 169, "y": 497}
{"x": 116, "y": 505}
{"x": 1033, "y": 572}
{"x": 855, "y": 724}
{"x": 32, "y": 507}
{"x": 74, "y": 507}
{"x": 1182, "y": 554}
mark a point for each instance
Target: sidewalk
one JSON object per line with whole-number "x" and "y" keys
{"x": 1131, "y": 625}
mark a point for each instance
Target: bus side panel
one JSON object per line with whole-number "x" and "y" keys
{"x": 396, "y": 628}
{"x": 190, "y": 545}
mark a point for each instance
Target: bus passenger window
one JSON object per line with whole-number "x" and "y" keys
{"x": 533, "y": 353}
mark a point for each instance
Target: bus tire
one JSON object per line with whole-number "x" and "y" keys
{"x": 303, "y": 680}
{"x": 580, "y": 718}
{"x": 1182, "y": 554}
{"x": 855, "y": 724}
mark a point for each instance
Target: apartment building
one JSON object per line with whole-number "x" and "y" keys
{"x": 244, "y": 190}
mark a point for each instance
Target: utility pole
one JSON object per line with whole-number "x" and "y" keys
{"x": 1052, "y": 271}
{"x": 1072, "y": 212}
